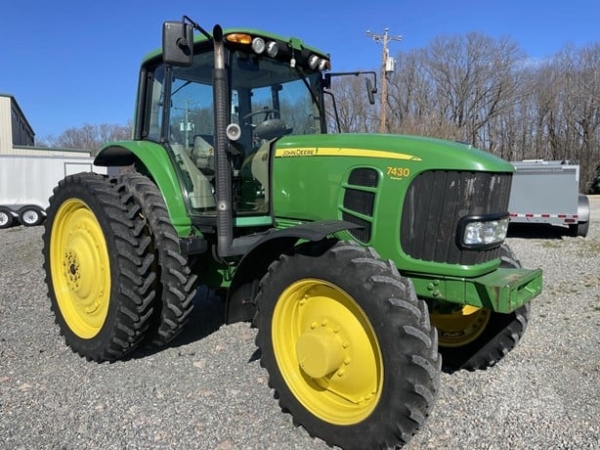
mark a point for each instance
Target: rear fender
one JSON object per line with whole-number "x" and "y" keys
{"x": 159, "y": 167}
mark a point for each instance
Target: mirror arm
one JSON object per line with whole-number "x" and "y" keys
{"x": 185, "y": 19}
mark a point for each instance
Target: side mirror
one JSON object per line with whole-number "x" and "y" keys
{"x": 178, "y": 44}
{"x": 371, "y": 91}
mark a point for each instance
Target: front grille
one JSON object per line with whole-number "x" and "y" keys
{"x": 437, "y": 200}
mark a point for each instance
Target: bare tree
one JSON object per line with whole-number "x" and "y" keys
{"x": 354, "y": 111}
{"x": 88, "y": 137}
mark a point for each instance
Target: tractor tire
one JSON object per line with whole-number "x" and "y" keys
{"x": 99, "y": 267}
{"x": 476, "y": 338}
{"x": 348, "y": 346}
{"x": 175, "y": 288}
{"x": 6, "y": 218}
{"x": 31, "y": 216}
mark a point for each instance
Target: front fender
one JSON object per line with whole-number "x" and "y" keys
{"x": 244, "y": 286}
{"x": 159, "y": 167}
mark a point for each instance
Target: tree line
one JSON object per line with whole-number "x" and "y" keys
{"x": 486, "y": 92}
{"x": 88, "y": 137}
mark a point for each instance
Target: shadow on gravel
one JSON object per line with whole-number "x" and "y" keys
{"x": 206, "y": 318}
{"x": 537, "y": 231}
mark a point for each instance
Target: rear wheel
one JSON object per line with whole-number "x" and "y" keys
{"x": 176, "y": 286}
{"x": 99, "y": 269}
{"x": 31, "y": 216}
{"x": 348, "y": 346}
{"x": 474, "y": 338}
{"x": 6, "y": 218}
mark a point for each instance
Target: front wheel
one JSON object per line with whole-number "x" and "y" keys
{"x": 348, "y": 346}
{"x": 474, "y": 338}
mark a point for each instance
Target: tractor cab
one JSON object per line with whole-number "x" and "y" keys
{"x": 273, "y": 88}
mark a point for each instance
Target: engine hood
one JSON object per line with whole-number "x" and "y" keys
{"x": 429, "y": 152}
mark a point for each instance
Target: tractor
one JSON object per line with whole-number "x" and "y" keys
{"x": 368, "y": 263}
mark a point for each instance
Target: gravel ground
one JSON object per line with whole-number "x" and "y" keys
{"x": 208, "y": 391}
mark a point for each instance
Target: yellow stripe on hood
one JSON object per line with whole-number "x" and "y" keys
{"x": 332, "y": 151}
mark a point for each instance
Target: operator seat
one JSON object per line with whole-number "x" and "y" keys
{"x": 203, "y": 154}
{"x": 201, "y": 194}
{"x": 260, "y": 167}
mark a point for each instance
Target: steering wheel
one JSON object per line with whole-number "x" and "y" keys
{"x": 267, "y": 112}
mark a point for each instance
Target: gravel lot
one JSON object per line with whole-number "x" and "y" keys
{"x": 208, "y": 391}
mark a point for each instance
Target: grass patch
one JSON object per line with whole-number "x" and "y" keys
{"x": 552, "y": 244}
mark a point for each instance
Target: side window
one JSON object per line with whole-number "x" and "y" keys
{"x": 191, "y": 123}
{"x": 154, "y": 106}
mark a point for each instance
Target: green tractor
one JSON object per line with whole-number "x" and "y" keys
{"x": 364, "y": 260}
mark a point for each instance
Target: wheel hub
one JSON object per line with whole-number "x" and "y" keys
{"x": 319, "y": 352}
{"x": 461, "y": 327}
{"x": 80, "y": 268}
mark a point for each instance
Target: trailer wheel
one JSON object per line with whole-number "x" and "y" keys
{"x": 583, "y": 210}
{"x": 6, "y": 218}
{"x": 348, "y": 346}
{"x": 99, "y": 267}
{"x": 176, "y": 286}
{"x": 579, "y": 229}
{"x": 31, "y": 215}
{"x": 474, "y": 338}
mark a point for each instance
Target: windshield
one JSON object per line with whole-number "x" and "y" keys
{"x": 268, "y": 100}
{"x": 262, "y": 89}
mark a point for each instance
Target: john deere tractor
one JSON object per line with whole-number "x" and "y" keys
{"x": 363, "y": 260}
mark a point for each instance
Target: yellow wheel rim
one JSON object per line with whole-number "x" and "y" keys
{"x": 460, "y": 327}
{"x": 327, "y": 352}
{"x": 80, "y": 268}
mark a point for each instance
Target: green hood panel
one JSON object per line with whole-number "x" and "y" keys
{"x": 309, "y": 170}
{"x": 432, "y": 153}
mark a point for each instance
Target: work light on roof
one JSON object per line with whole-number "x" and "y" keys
{"x": 258, "y": 45}
{"x": 272, "y": 49}
{"x": 316, "y": 62}
{"x": 313, "y": 61}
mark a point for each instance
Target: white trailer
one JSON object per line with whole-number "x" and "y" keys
{"x": 26, "y": 184}
{"x": 547, "y": 192}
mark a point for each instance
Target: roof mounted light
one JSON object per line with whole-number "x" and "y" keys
{"x": 239, "y": 38}
{"x": 324, "y": 64}
{"x": 258, "y": 45}
{"x": 272, "y": 49}
{"x": 316, "y": 62}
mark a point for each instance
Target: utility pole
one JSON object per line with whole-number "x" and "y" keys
{"x": 387, "y": 66}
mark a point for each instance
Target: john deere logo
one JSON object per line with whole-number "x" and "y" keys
{"x": 333, "y": 151}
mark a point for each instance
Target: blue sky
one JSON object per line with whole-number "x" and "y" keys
{"x": 72, "y": 62}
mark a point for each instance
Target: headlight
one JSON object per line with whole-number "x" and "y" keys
{"x": 482, "y": 232}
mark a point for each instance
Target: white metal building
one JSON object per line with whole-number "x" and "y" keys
{"x": 29, "y": 173}
{"x": 17, "y": 136}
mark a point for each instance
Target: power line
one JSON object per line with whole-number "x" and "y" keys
{"x": 387, "y": 65}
